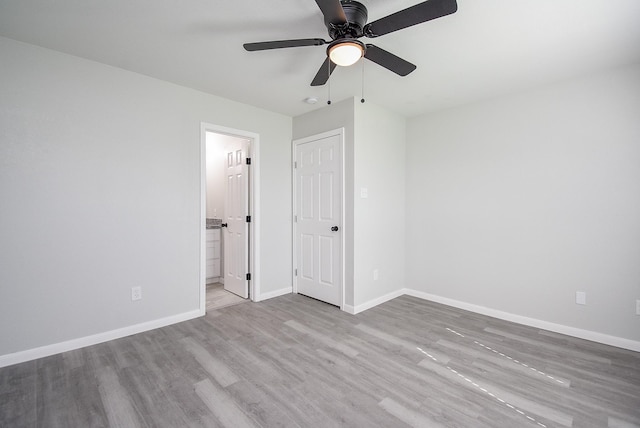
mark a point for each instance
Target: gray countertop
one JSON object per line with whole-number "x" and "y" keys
{"x": 214, "y": 223}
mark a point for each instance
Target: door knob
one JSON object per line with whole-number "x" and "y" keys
{"x": 334, "y": 229}
{"x": 223, "y": 225}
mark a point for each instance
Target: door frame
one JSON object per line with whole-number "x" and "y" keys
{"x": 254, "y": 208}
{"x": 294, "y": 199}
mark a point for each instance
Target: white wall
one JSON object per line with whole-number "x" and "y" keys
{"x": 379, "y": 137}
{"x": 99, "y": 191}
{"x": 215, "y": 174}
{"x": 516, "y": 203}
{"x": 374, "y": 158}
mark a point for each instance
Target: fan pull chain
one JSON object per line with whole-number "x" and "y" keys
{"x": 329, "y": 81}
{"x": 362, "y": 99}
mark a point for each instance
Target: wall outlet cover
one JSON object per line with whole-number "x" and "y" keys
{"x": 136, "y": 293}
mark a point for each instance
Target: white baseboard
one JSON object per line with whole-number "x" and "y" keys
{"x": 531, "y": 322}
{"x": 70, "y": 345}
{"x": 374, "y": 302}
{"x": 45, "y": 351}
{"x": 275, "y": 293}
{"x": 350, "y": 309}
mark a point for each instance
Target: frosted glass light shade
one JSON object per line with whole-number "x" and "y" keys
{"x": 346, "y": 53}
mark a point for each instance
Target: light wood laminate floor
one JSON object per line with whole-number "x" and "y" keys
{"x": 296, "y": 362}
{"x": 218, "y": 297}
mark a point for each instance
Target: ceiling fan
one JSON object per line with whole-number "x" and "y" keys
{"x": 346, "y": 21}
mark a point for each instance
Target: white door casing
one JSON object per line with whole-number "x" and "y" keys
{"x": 236, "y": 250}
{"x": 318, "y": 222}
{"x": 254, "y": 245}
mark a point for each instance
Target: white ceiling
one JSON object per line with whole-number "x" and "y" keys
{"x": 487, "y": 48}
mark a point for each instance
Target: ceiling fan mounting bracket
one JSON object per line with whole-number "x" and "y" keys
{"x": 356, "y": 14}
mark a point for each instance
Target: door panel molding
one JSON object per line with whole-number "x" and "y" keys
{"x": 318, "y": 247}
{"x": 236, "y": 234}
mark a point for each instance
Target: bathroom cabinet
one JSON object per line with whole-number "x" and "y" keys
{"x": 213, "y": 255}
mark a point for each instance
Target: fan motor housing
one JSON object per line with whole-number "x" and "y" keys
{"x": 356, "y": 14}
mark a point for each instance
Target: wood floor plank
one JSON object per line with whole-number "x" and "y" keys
{"x": 223, "y": 406}
{"x": 18, "y": 395}
{"x": 73, "y": 387}
{"x": 296, "y": 362}
{"x": 259, "y": 406}
{"x": 216, "y": 368}
{"x": 117, "y": 401}
{"x": 218, "y": 297}
{"x": 409, "y": 416}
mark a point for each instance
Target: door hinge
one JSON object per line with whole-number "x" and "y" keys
{"x": 248, "y": 277}
{"x": 295, "y": 272}
{"x": 248, "y": 219}
{"x": 248, "y": 160}
{"x": 295, "y": 218}
{"x": 295, "y": 165}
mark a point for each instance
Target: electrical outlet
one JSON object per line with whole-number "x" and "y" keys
{"x": 136, "y": 293}
{"x": 376, "y": 274}
{"x": 638, "y": 307}
{"x": 581, "y": 298}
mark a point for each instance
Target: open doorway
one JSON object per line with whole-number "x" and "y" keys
{"x": 229, "y": 192}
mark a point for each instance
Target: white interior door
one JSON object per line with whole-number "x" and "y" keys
{"x": 318, "y": 217}
{"x": 236, "y": 234}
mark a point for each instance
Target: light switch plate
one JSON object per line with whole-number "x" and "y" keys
{"x": 581, "y": 298}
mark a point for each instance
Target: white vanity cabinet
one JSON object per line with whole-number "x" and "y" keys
{"x": 213, "y": 255}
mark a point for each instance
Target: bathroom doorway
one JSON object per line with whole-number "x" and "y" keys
{"x": 229, "y": 192}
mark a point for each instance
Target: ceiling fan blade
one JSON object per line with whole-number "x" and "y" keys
{"x": 332, "y": 11}
{"x": 278, "y": 44}
{"x": 422, "y": 12}
{"x": 324, "y": 72}
{"x": 388, "y": 60}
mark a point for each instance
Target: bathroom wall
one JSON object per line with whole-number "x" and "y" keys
{"x": 215, "y": 152}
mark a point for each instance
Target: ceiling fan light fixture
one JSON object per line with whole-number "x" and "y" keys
{"x": 345, "y": 52}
